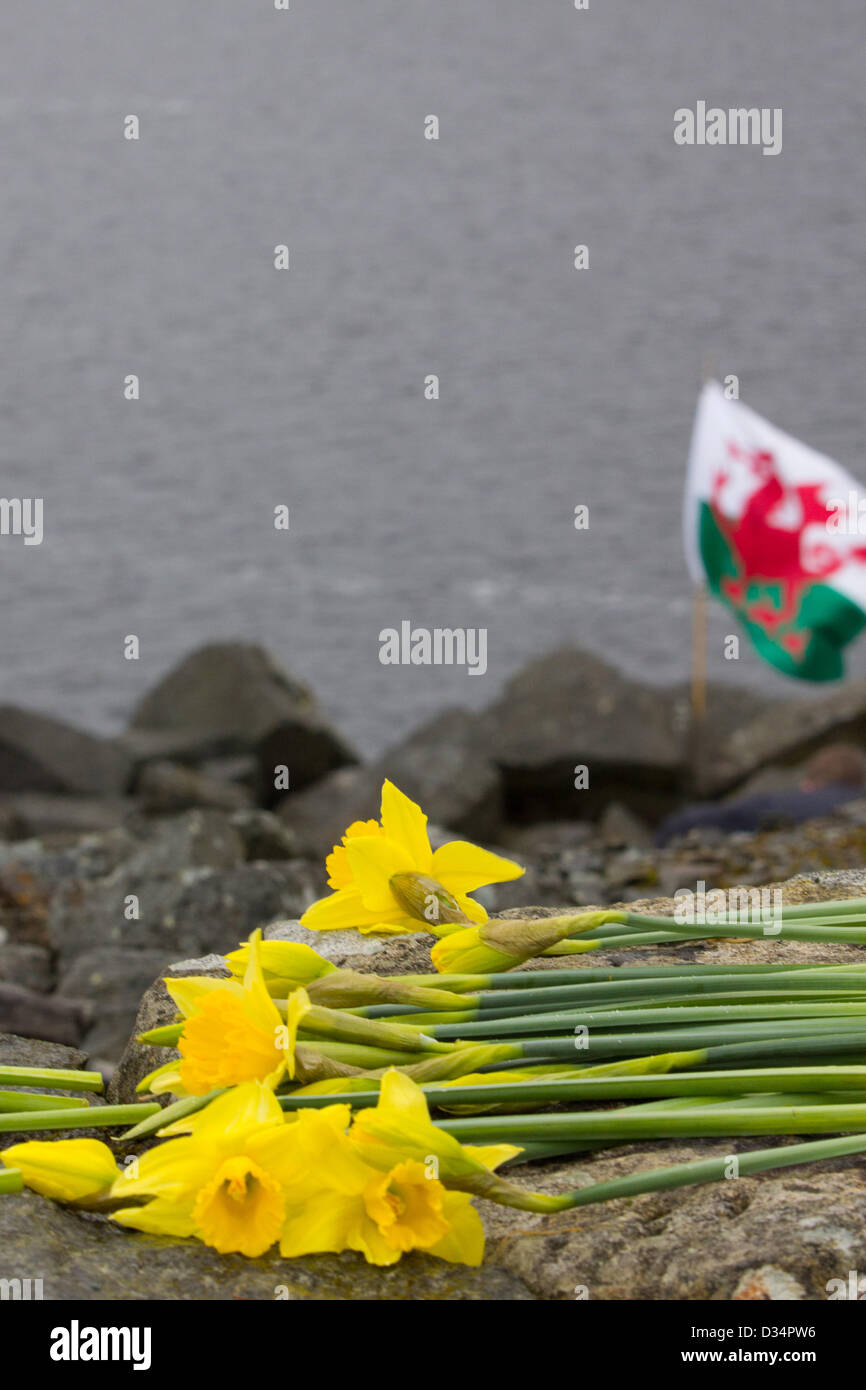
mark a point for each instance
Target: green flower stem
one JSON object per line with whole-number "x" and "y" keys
{"x": 161, "y": 1116}
{"x": 167, "y": 1036}
{"x": 787, "y": 1036}
{"x": 635, "y": 1123}
{"x": 685, "y": 1174}
{"x": 341, "y": 1027}
{"x": 96, "y": 1117}
{"x": 11, "y": 1180}
{"x": 829, "y": 928}
{"x": 365, "y": 1058}
{"x": 528, "y": 978}
{"x": 680, "y": 1016}
{"x": 51, "y": 1078}
{"x": 24, "y": 1100}
{"x": 757, "y": 997}
{"x": 552, "y": 1091}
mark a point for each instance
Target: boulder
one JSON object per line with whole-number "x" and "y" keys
{"x": 85, "y": 1257}
{"x": 26, "y": 965}
{"x": 443, "y": 766}
{"x": 307, "y": 747}
{"x": 785, "y": 733}
{"x": 163, "y": 788}
{"x": 572, "y": 709}
{"x": 40, "y": 754}
{"x": 113, "y": 981}
{"x": 55, "y": 1018}
{"x": 229, "y": 696}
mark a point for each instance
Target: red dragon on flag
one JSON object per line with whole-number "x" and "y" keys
{"x": 768, "y": 529}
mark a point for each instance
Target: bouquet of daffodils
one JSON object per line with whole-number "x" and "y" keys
{"x": 316, "y": 1109}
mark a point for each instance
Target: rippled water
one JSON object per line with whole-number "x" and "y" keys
{"x": 408, "y": 257}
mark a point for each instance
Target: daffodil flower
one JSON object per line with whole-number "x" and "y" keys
{"x": 221, "y": 1181}
{"x": 399, "y": 1129}
{"x": 69, "y": 1170}
{"x": 339, "y": 1202}
{"x": 371, "y": 855}
{"x": 235, "y": 1033}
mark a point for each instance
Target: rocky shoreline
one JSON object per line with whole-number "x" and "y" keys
{"x": 178, "y": 837}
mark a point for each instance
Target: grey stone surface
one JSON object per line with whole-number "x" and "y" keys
{"x": 164, "y": 787}
{"x": 43, "y": 755}
{"x": 30, "y": 966}
{"x": 571, "y": 709}
{"x": 86, "y": 1257}
{"x": 786, "y": 732}
{"x": 444, "y": 766}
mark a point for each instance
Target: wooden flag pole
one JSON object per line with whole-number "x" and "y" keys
{"x": 697, "y": 723}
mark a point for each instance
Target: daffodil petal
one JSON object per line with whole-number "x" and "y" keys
{"x": 463, "y": 867}
{"x": 341, "y": 911}
{"x": 405, "y": 822}
{"x": 464, "y": 1243}
{"x": 187, "y": 991}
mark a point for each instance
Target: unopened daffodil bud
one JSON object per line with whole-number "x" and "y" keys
{"x": 502, "y": 945}
{"x": 69, "y": 1170}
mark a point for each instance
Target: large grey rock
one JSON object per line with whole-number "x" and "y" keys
{"x": 308, "y": 748}
{"x": 444, "y": 766}
{"x": 785, "y": 733}
{"x": 27, "y": 965}
{"x": 180, "y": 913}
{"x": 231, "y": 694}
{"x": 53, "y": 1017}
{"x": 113, "y": 980}
{"x": 571, "y": 709}
{"x": 87, "y": 1257}
{"x": 43, "y": 755}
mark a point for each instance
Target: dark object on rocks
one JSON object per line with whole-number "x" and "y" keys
{"x": 570, "y": 710}
{"x": 751, "y": 813}
{"x": 443, "y": 766}
{"x": 164, "y": 787}
{"x": 33, "y": 1015}
{"x": 42, "y": 755}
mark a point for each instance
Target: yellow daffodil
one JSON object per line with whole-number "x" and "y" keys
{"x": 241, "y": 1177}
{"x": 361, "y": 870}
{"x": 69, "y": 1170}
{"x": 340, "y": 1202}
{"x": 235, "y": 1033}
{"x": 400, "y": 1129}
{"x": 221, "y": 1181}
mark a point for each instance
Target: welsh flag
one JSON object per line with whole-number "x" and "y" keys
{"x": 777, "y": 532}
